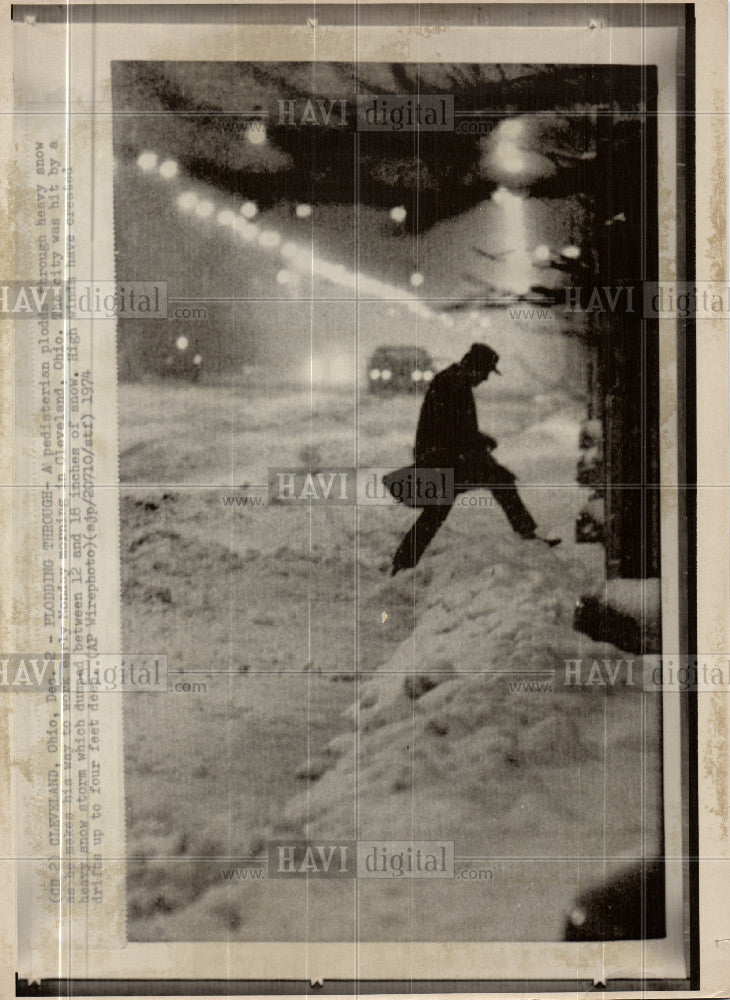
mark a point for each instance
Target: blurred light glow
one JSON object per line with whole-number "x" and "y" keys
{"x": 289, "y": 250}
{"x": 168, "y": 169}
{"x": 512, "y": 231}
{"x": 571, "y": 252}
{"x": 398, "y": 214}
{"x": 511, "y": 129}
{"x": 247, "y": 230}
{"x": 284, "y": 277}
{"x": 374, "y": 374}
{"x": 417, "y": 279}
{"x": 508, "y": 158}
{"x": 507, "y": 155}
{"x": 541, "y": 254}
{"x": 269, "y": 238}
{"x": 417, "y": 307}
{"x": 182, "y": 343}
{"x": 386, "y": 374}
{"x": 249, "y": 209}
{"x": 187, "y": 201}
{"x": 302, "y": 260}
{"x": 417, "y": 375}
{"x": 226, "y": 218}
{"x": 256, "y": 133}
{"x": 147, "y": 160}
{"x": 303, "y": 211}
{"x": 204, "y": 209}
{"x": 198, "y": 360}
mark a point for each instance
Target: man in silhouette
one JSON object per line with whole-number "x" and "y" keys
{"x": 448, "y": 436}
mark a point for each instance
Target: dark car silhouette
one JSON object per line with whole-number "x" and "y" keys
{"x": 628, "y": 907}
{"x": 399, "y": 369}
{"x": 182, "y": 360}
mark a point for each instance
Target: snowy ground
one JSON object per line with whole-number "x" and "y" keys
{"x": 339, "y": 703}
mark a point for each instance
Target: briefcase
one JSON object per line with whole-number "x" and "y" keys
{"x": 418, "y": 487}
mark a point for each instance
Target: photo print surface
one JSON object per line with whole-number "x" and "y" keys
{"x": 413, "y": 708}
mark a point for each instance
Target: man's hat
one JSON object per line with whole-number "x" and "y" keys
{"x": 482, "y": 358}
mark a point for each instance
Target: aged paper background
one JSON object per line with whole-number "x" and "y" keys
{"x": 462, "y": 961}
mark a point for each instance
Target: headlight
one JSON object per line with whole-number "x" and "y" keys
{"x": 374, "y": 374}
{"x": 197, "y": 360}
{"x": 182, "y": 343}
{"x": 417, "y": 375}
{"x": 386, "y": 375}
{"x": 427, "y": 376}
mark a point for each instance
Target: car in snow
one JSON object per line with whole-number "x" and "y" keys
{"x": 400, "y": 368}
{"x": 182, "y": 360}
{"x": 629, "y": 906}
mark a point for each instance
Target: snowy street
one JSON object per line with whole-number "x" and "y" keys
{"x": 307, "y": 655}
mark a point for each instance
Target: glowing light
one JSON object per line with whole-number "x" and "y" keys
{"x": 187, "y": 201}
{"x": 197, "y": 360}
{"x": 249, "y": 210}
{"x": 511, "y": 231}
{"x": 147, "y": 161}
{"x": 303, "y": 260}
{"x": 374, "y": 374}
{"x": 303, "y": 211}
{"x": 204, "y": 209}
{"x": 289, "y": 250}
{"x": 168, "y": 169}
{"x": 398, "y": 214}
{"x": 571, "y": 252}
{"x": 182, "y": 343}
{"x": 226, "y": 218}
{"x": 247, "y": 230}
{"x": 507, "y": 155}
{"x": 509, "y": 158}
{"x": 269, "y": 238}
{"x": 284, "y": 277}
{"x": 511, "y": 129}
{"x": 541, "y": 254}
{"x": 256, "y": 133}
{"x": 417, "y": 279}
